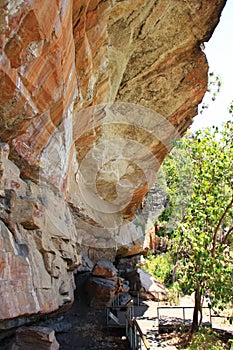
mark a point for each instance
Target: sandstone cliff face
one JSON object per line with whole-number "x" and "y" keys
{"x": 91, "y": 95}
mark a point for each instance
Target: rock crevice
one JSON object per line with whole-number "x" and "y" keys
{"x": 91, "y": 95}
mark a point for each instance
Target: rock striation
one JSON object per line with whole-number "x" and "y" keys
{"x": 91, "y": 95}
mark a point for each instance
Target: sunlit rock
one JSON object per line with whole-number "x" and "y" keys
{"x": 92, "y": 94}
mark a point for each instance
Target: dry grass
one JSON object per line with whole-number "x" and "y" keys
{"x": 206, "y": 339}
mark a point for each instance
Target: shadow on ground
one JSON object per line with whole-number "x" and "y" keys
{"x": 79, "y": 328}
{"x": 82, "y": 328}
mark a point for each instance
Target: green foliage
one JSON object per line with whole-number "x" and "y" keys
{"x": 160, "y": 266}
{"x": 206, "y": 339}
{"x": 178, "y": 172}
{"x": 174, "y": 293}
{"x": 202, "y": 227}
{"x": 214, "y": 86}
{"x": 231, "y": 108}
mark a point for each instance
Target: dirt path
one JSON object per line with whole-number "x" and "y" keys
{"x": 83, "y": 328}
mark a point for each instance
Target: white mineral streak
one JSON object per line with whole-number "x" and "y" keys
{"x": 33, "y": 292}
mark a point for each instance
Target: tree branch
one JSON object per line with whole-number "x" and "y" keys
{"x": 227, "y": 235}
{"x": 218, "y": 226}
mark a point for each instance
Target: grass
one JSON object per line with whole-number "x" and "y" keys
{"x": 205, "y": 339}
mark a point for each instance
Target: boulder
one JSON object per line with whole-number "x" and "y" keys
{"x": 127, "y": 264}
{"x": 36, "y": 338}
{"x": 149, "y": 287}
{"x": 103, "y": 284}
{"x": 101, "y": 291}
{"x": 104, "y": 269}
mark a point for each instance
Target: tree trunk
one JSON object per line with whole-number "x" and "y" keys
{"x": 197, "y": 308}
{"x": 176, "y": 264}
{"x": 174, "y": 272}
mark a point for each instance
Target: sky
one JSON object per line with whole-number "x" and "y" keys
{"x": 219, "y": 52}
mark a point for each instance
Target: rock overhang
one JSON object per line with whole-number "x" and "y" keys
{"x": 71, "y": 186}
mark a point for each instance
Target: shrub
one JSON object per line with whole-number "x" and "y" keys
{"x": 160, "y": 266}
{"x": 206, "y": 339}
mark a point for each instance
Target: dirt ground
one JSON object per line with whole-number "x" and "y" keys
{"x": 82, "y": 328}
{"x": 86, "y": 328}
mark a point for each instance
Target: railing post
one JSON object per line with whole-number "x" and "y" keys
{"x": 135, "y": 336}
{"x": 133, "y": 344}
{"x": 210, "y": 317}
{"x": 131, "y": 337}
{"x": 139, "y": 343}
{"x": 158, "y": 314}
{"x": 134, "y": 332}
{"x": 184, "y": 314}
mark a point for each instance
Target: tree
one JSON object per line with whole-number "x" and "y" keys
{"x": 201, "y": 239}
{"x": 214, "y": 87}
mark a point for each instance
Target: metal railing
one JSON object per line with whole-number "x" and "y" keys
{"x": 183, "y": 308}
{"x": 136, "y": 338}
{"x": 116, "y": 312}
{"x": 133, "y": 331}
{"x": 137, "y": 294}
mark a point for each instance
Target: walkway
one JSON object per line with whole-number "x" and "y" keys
{"x": 148, "y": 323}
{"x": 170, "y": 316}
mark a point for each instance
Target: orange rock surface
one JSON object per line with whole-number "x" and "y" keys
{"x": 83, "y": 84}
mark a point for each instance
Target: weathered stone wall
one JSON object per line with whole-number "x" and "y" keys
{"x": 72, "y": 174}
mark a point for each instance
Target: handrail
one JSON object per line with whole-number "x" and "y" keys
{"x": 179, "y": 307}
{"x": 142, "y": 336}
{"x": 114, "y": 317}
{"x": 182, "y": 308}
{"x": 130, "y": 322}
{"x": 133, "y": 330}
{"x": 137, "y": 293}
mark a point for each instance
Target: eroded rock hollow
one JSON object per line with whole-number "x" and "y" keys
{"x": 92, "y": 94}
